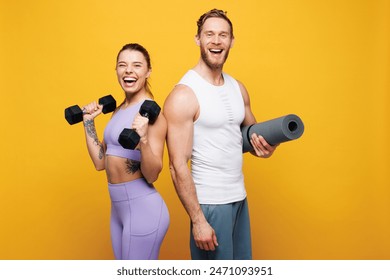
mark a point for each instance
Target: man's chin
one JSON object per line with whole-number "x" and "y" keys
{"x": 217, "y": 66}
{"x": 214, "y": 65}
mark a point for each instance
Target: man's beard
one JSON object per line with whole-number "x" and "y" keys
{"x": 213, "y": 66}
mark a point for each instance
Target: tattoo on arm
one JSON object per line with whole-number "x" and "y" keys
{"x": 91, "y": 131}
{"x": 101, "y": 151}
{"x": 132, "y": 166}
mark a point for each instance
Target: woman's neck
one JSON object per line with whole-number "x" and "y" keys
{"x": 134, "y": 99}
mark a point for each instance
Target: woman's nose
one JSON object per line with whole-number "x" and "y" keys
{"x": 129, "y": 69}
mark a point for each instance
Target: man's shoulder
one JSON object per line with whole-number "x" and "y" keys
{"x": 181, "y": 95}
{"x": 182, "y": 102}
{"x": 181, "y": 90}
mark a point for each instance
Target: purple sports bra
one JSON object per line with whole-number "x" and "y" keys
{"x": 123, "y": 118}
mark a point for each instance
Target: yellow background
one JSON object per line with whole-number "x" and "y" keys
{"x": 324, "y": 196}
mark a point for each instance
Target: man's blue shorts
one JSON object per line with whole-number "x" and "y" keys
{"x": 232, "y": 228}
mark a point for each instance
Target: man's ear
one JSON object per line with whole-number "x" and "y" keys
{"x": 232, "y": 43}
{"x": 197, "y": 40}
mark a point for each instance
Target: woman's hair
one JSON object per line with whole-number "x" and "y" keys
{"x": 141, "y": 49}
{"x": 214, "y": 13}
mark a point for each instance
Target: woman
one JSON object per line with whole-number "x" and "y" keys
{"x": 139, "y": 216}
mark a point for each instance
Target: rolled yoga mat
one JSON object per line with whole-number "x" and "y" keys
{"x": 274, "y": 131}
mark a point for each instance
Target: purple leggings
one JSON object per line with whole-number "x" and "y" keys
{"x": 139, "y": 220}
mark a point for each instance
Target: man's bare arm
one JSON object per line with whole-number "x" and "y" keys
{"x": 180, "y": 109}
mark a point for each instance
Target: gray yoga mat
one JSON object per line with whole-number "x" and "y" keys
{"x": 275, "y": 131}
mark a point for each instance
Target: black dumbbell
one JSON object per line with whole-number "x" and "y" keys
{"x": 74, "y": 114}
{"x": 128, "y": 138}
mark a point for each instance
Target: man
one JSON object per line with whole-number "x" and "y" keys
{"x": 205, "y": 112}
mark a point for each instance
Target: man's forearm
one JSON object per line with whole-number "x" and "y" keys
{"x": 185, "y": 188}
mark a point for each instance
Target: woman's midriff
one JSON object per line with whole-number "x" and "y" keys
{"x": 120, "y": 170}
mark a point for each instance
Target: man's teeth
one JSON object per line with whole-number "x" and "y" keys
{"x": 215, "y": 50}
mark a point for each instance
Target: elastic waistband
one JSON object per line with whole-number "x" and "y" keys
{"x": 130, "y": 190}
{"x": 115, "y": 150}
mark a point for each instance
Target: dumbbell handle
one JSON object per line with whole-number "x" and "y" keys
{"x": 85, "y": 112}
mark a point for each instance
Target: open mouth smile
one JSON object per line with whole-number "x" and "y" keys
{"x": 129, "y": 80}
{"x": 216, "y": 51}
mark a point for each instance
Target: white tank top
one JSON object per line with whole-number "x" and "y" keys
{"x": 216, "y": 161}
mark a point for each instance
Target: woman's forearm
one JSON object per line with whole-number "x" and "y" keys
{"x": 95, "y": 147}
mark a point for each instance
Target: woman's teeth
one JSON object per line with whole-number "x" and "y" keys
{"x": 129, "y": 80}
